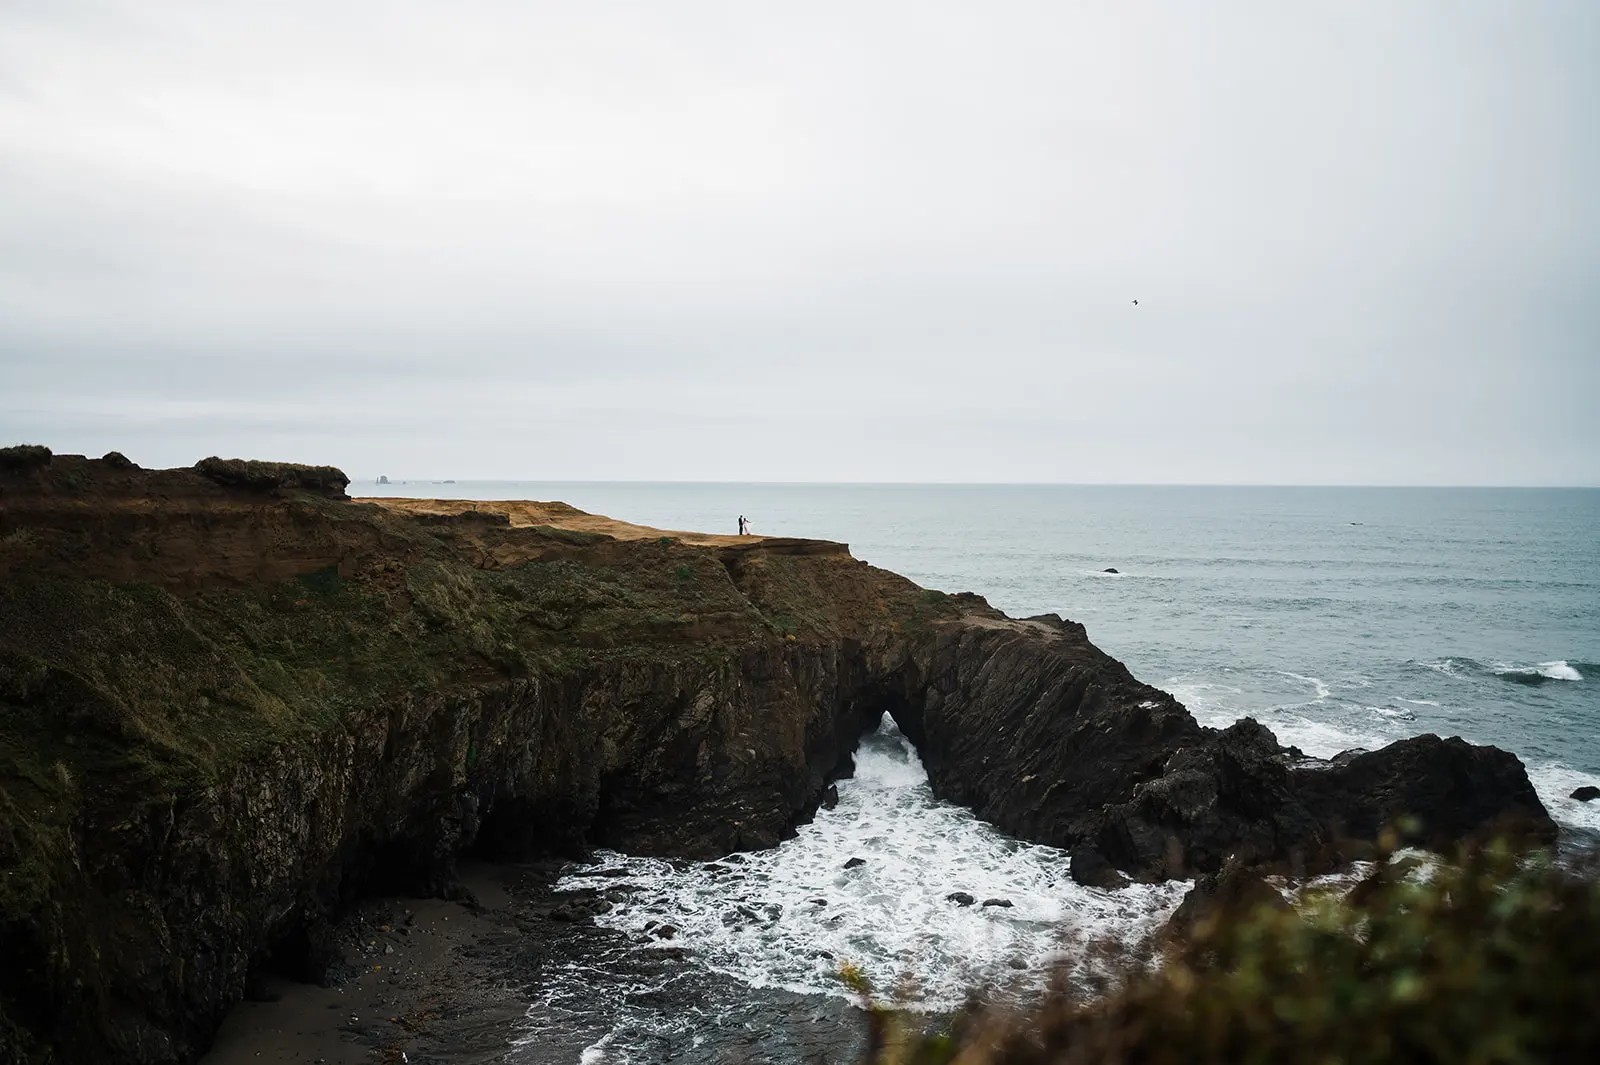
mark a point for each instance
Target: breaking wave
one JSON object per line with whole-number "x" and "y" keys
{"x": 1531, "y": 675}
{"x": 929, "y": 901}
{"x": 1537, "y": 674}
{"x": 893, "y": 880}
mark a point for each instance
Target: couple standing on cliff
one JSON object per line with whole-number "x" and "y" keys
{"x": 744, "y": 525}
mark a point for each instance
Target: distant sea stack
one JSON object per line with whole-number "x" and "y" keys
{"x": 382, "y": 479}
{"x": 232, "y": 700}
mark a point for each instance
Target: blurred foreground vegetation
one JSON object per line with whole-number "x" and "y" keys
{"x": 1489, "y": 959}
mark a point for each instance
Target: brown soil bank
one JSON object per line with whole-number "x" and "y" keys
{"x": 232, "y": 700}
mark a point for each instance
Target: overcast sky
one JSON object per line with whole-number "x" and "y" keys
{"x": 817, "y": 241}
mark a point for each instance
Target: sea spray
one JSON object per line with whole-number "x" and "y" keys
{"x": 927, "y": 900}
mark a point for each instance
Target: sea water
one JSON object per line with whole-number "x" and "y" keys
{"x": 929, "y": 903}
{"x": 1338, "y": 617}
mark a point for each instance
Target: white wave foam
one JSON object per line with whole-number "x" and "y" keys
{"x": 596, "y": 1053}
{"x": 1557, "y": 670}
{"x": 1394, "y": 713}
{"x": 1300, "y": 893}
{"x": 1209, "y": 702}
{"x": 790, "y": 916}
{"x": 1317, "y": 685}
{"x": 1319, "y": 739}
{"x": 1213, "y": 706}
{"x": 1555, "y": 782}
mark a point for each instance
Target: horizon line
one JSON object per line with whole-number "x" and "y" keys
{"x": 960, "y": 484}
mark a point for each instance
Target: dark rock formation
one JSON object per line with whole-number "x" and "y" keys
{"x": 1444, "y": 790}
{"x": 1228, "y": 794}
{"x": 1111, "y": 569}
{"x": 1586, "y": 793}
{"x": 1091, "y": 868}
{"x": 960, "y": 898}
{"x": 1049, "y": 738}
{"x": 1004, "y": 904}
{"x": 1229, "y": 893}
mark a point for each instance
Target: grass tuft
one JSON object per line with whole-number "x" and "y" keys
{"x": 260, "y": 476}
{"x": 22, "y": 458}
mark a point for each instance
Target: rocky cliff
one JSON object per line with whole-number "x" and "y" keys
{"x": 232, "y": 699}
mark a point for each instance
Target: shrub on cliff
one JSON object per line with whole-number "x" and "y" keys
{"x": 20, "y": 458}
{"x": 1483, "y": 961}
{"x": 270, "y": 476}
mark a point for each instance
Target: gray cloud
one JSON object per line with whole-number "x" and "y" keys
{"x": 865, "y": 241}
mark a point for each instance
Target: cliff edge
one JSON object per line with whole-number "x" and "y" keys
{"x": 232, "y": 699}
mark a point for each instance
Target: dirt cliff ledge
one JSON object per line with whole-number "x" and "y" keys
{"x": 230, "y": 703}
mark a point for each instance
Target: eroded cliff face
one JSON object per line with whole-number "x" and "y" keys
{"x": 225, "y": 710}
{"x": 172, "y": 896}
{"x": 230, "y": 703}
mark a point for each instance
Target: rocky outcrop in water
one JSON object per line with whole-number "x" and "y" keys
{"x": 1450, "y": 789}
{"x": 1046, "y": 736}
{"x": 232, "y": 700}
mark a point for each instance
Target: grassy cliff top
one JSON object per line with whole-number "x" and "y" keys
{"x": 156, "y": 626}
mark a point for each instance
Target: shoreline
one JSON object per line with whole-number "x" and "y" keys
{"x": 512, "y": 971}
{"x": 421, "y": 980}
{"x": 469, "y": 981}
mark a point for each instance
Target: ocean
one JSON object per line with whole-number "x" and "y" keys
{"x": 1338, "y": 617}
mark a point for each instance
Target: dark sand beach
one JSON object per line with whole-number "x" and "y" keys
{"x": 423, "y": 980}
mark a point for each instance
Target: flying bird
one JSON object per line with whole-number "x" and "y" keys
{"x": 1136, "y": 303}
